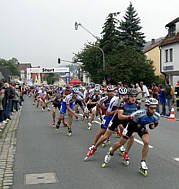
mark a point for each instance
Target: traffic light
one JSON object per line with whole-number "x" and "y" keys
{"x": 58, "y": 60}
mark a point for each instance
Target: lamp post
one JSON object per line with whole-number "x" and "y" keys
{"x": 76, "y": 28}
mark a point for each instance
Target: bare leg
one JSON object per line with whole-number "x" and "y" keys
{"x": 53, "y": 112}
{"x": 107, "y": 134}
{"x": 130, "y": 143}
{"x": 92, "y": 116}
{"x": 70, "y": 120}
{"x": 98, "y": 135}
{"x": 145, "y": 139}
{"x": 118, "y": 144}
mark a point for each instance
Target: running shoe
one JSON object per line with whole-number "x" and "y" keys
{"x": 65, "y": 123}
{"x": 91, "y": 152}
{"x": 126, "y": 157}
{"x": 107, "y": 157}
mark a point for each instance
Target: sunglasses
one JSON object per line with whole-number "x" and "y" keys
{"x": 152, "y": 108}
{"x": 133, "y": 96}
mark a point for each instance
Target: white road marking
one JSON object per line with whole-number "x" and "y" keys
{"x": 97, "y": 122}
{"x": 140, "y": 142}
{"x": 136, "y": 140}
{"x": 176, "y": 159}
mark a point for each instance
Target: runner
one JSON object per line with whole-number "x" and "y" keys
{"x": 137, "y": 123}
{"x": 93, "y": 99}
{"x": 56, "y": 101}
{"x": 104, "y": 104}
{"x": 111, "y": 112}
{"x": 68, "y": 104}
{"x": 80, "y": 102}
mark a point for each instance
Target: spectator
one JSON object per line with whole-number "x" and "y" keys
{"x": 21, "y": 95}
{"x": 145, "y": 90}
{"x": 132, "y": 85}
{"x": 15, "y": 100}
{"x": 155, "y": 93}
{"x": 139, "y": 96}
{"x": 119, "y": 85}
{"x": 1, "y": 104}
{"x": 162, "y": 99}
{"x": 169, "y": 96}
{"x": 9, "y": 95}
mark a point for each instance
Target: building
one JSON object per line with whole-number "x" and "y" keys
{"x": 152, "y": 51}
{"x": 23, "y": 69}
{"x": 169, "y": 52}
{"x": 83, "y": 75}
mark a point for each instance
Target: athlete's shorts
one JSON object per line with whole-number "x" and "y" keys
{"x": 133, "y": 127}
{"x": 116, "y": 122}
{"x": 91, "y": 106}
{"x": 64, "y": 107}
{"x": 79, "y": 102}
{"x": 106, "y": 122}
{"x": 57, "y": 104}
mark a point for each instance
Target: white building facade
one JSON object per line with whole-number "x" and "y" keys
{"x": 169, "y": 52}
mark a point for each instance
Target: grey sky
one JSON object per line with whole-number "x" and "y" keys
{"x": 40, "y": 31}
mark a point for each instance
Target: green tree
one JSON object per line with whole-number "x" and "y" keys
{"x": 92, "y": 62}
{"x": 130, "y": 66}
{"x": 130, "y": 33}
{"x": 50, "y": 78}
{"x": 109, "y": 33}
{"x": 11, "y": 64}
{"x": 122, "y": 46}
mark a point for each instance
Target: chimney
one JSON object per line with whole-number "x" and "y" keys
{"x": 153, "y": 41}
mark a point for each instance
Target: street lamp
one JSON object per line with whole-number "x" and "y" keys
{"x": 79, "y": 24}
{"x": 76, "y": 28}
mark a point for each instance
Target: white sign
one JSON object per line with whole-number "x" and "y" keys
{"x": 47, "y": 70}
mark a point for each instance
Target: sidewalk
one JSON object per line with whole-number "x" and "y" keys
{"x": 7, "y": 152}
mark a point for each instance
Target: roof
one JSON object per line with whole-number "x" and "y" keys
{"x": 152, "y": 46}
{"x": 23, "y": 66}
{"x": 167, "y": 41}
{"x": 172, "y": 22}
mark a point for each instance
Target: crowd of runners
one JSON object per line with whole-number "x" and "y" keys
{"x": 117, "y": 107}
{"x": 123, "y": 110}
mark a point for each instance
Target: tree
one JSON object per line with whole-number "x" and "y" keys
{"x": 130, "y": 33}
{"x": 13, "y": 61}
{"x": 109, "y": 33}
{"x": 10, "y": 64}
{"x": 130, "y": 66}
{"x": 50, "y": 78}
{"x": 124, "y": 59}
{"x": 92, "y": 60}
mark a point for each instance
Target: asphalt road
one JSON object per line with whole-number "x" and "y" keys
{"x": 41, "y": 150}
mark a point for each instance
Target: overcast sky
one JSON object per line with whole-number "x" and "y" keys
{"x": 40, "y": 31}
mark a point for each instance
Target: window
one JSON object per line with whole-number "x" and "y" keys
{"x": 171, "y": 55}
{"x": 166, "y": 55}
{"x": 172, "y": 31}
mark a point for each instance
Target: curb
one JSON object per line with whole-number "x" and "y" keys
{"x": 167, "y": 117}
{"x": 7, "y": 152}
